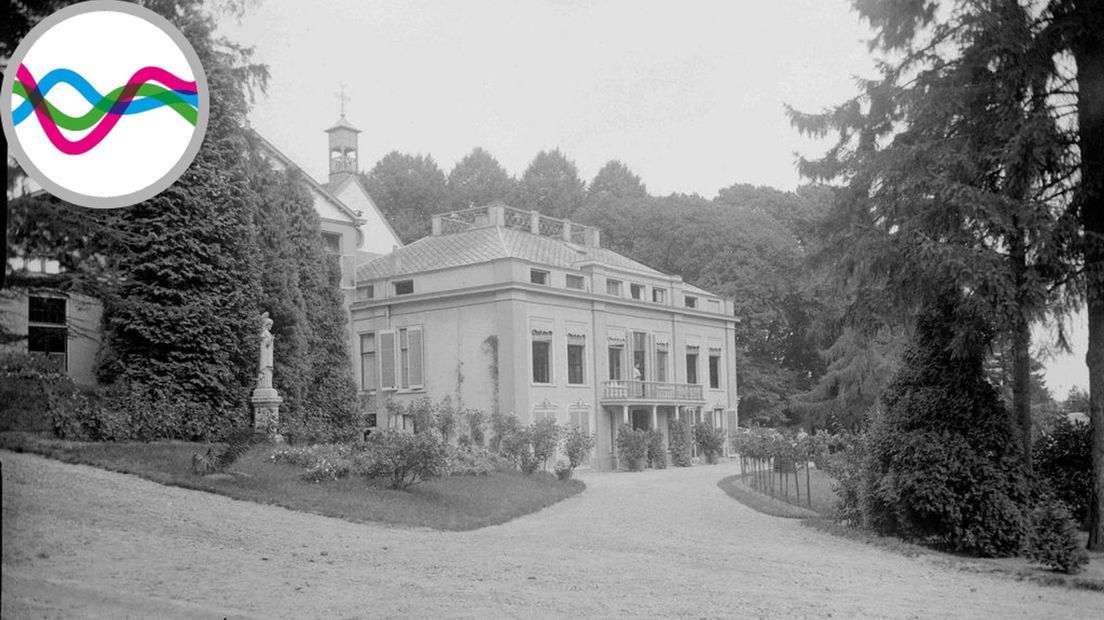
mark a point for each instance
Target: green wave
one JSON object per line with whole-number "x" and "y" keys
{"x": 104, "y": 105}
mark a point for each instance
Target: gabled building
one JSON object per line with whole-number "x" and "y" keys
{"x": 66, "y": 326}
{"x": 511, "y": 311}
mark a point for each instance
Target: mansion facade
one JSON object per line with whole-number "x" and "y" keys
{"x": 511, "y": 311}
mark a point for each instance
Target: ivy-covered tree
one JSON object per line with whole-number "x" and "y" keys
{"x": 551, "y": 185}
{"x": 409, "y": 189}
{"x": 479, "y": 179}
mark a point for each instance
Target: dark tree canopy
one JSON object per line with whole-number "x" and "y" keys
{"x": 479, "y": 179}
{"x": 551, "y": 185}
{"x": 617, "y": 181}
{"x": 409, "y": 189}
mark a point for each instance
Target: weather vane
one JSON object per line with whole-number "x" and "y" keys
{"x": 342, "y": 97}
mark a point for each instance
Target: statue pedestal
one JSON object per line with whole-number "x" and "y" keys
{"x": 266, "y": 412}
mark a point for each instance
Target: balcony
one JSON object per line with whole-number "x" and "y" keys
{"x": 651, "y": 391}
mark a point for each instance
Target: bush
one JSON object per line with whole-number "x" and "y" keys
{"x": 944, "y": 463}
{"x": 323, "y": 462}
{"x": 657, "y": 455}
{"x": 529, "y": 447}
{"x": 404, "y": 459}
{"x": 545, "y": 435}
{"x": 503, "y": 424}
{"x": 679, "y": 443}
{"x": 517, "y": 447}
{"x": 138, "y": 413}
{"x": 710, "y": 440}
{"x": 846, "y": 464}
{"x": 1053, "y": 538}
{"x": 1063, "y": 465}
{"x": 31, "y": 388}
{"x": 577, "y": 445}
{"x": 477, "y": 425}
{"x": 563, "y": 470}
{"x": 632, "y": 447}
{"x": 475, "y": 462}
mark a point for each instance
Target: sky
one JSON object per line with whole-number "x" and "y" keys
{"x": 689, "y": 95}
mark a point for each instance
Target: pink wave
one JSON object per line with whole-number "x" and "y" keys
{"x": 107, "y": 123}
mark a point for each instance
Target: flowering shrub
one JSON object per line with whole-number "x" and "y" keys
{"x": 577, "y": 445}
{"x": 632, "y": 447}
{"x": 679, "y": 443}
{"x": 657, "y": 456}
{"x": 474, "y": 462}
{"x": 709, "y": 440}
{"x": 322, "y": 461}
{"x": 404, "y": 459}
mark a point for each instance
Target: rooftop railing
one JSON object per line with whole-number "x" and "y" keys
{"x": 498, "y": 214}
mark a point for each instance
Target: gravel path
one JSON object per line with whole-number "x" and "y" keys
{"x": 83, "y": 542}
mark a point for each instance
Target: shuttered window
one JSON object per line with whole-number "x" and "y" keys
{"x": 369, "y": 371}
{"x": 417, "y": 359}
{"x": 387, "y": 356}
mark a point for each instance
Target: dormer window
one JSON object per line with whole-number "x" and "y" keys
{"x": 613, "y": 287}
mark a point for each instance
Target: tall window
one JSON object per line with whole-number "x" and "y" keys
{"x": 639, "y": 353}
{"x": 714, "y": 370}
{"x": 661, "y": 362}
{"x": 691, "y": 367}
{"x": 47, "y": 330}
{"x": 542, "y": 356}
{"x": 401, "y": 359}
{"x": 616, "y": 353}
{"x": 369, "y": 371}
{"x": 576, "y": 353}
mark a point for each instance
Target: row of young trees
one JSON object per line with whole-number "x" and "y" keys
{"x": 185, "y": 275}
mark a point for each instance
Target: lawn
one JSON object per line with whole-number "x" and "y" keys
{"x": 455, "y": 503}
{"x": 820, "y": 483}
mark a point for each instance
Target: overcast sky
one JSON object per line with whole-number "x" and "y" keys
{"x": 688, "y": 94}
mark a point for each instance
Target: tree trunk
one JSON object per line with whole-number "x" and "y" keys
{"x": 1088, "y": 52}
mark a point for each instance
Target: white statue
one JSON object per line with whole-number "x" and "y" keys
{"x": 264, "y": 376}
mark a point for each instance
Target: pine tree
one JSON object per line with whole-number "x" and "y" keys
{"x": 551, "y": 185}
{"x": 478, "y": 179}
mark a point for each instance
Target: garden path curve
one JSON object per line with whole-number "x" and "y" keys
{"x": 84, "y": 542}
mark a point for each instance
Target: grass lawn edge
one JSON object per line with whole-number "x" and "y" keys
{"x": 70, "y": 453}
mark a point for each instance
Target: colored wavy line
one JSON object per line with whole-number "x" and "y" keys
{"x": 91, "y": 95}
{"x": 154, "y": 97}
{"x": 108, "y": 121}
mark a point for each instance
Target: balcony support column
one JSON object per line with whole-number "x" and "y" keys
{"x": 655, "y": 417}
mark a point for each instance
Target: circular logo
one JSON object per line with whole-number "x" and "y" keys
{"x": 104, "y": 104}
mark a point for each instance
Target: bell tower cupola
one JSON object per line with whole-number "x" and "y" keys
{"x": 343, "y": 146}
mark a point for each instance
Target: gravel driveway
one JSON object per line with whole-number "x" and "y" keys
{"x": 83, "y": 542}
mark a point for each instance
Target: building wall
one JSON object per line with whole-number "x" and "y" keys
{"x": 460, "y": 309}
{"x": 83, "y": 316}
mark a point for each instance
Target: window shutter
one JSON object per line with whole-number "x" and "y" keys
{"x": 584, "y": 421}
{"x": 414, "y": 335}
{"x": 387, "y": 357}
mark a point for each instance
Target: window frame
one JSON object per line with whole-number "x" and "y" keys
{"x": 375, "y": 370}
{"x": 692, "y": 355}
{"x": 714, "y": 371}
{"x": 615, "y": 284}
{"x": 659, "y": 295}
{"x": 635, "y": 287}
{"x": 690, "y": 301}
{"x": 545, "y": 277}
{"x": 577, "y": 278}
{"x": 397, "y": 283}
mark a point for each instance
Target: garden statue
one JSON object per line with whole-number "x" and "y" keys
{"x": 264, "y": 375}
{"x": 266, "y": 400}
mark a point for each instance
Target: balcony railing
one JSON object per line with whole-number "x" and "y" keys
{"x": 652, "y": 390}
